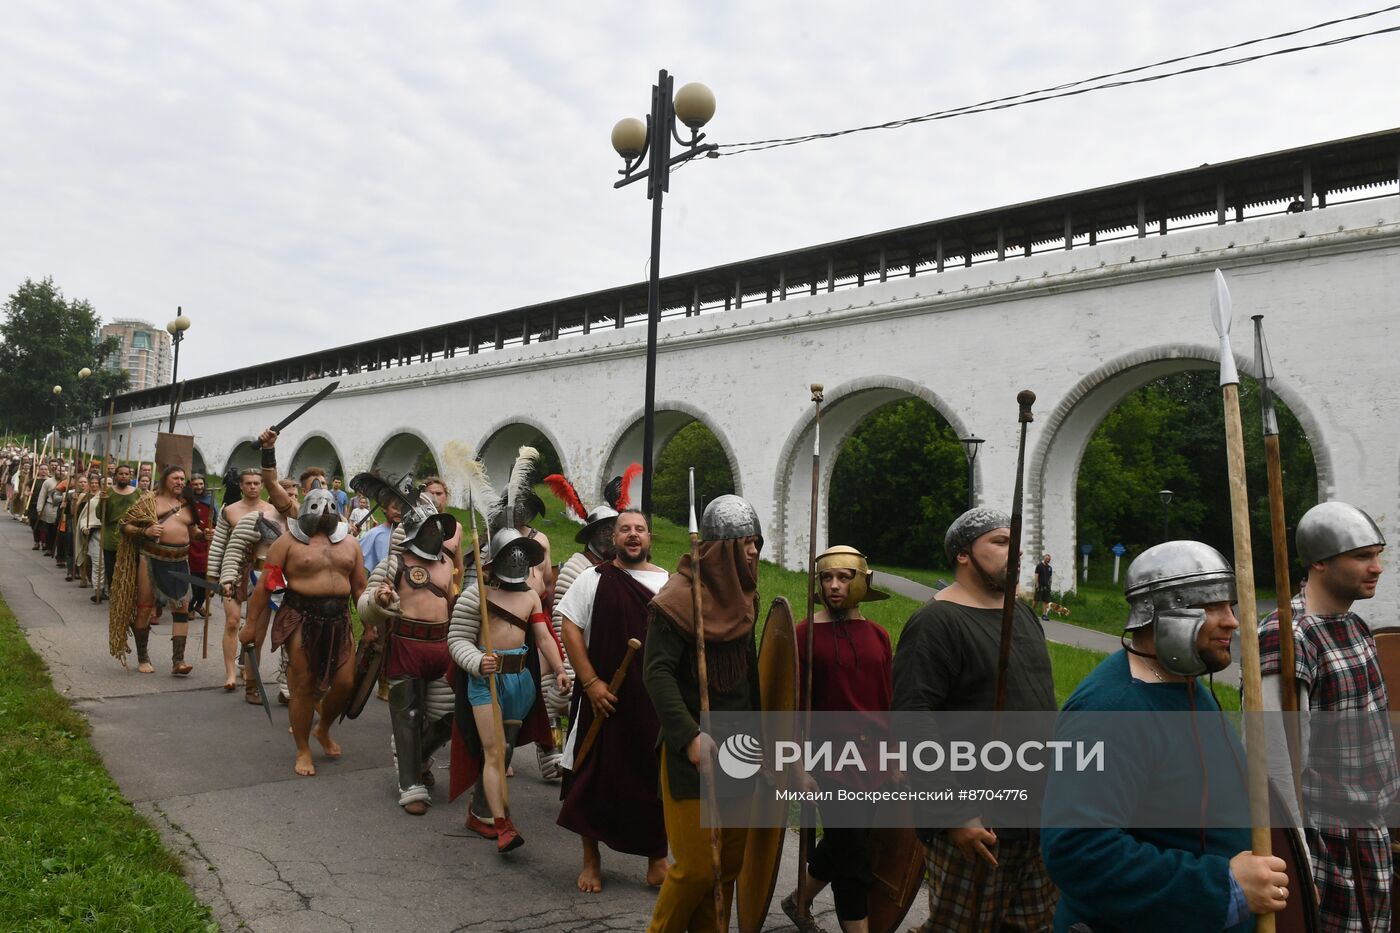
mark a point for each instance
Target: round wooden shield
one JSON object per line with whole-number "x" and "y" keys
{"x": 763, "y": 848}
{"x": 898, "y": 871}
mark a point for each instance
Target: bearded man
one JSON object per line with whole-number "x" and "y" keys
{"x": 947, "y": 659}
{"x": 410, "y": 598}
{"x": 115, "y": 503}
{"x": 1338, "y": 671}
{"x": 159, "y": 528}
{"x": 319, "y": 570}
{"x": 604, "y": 608}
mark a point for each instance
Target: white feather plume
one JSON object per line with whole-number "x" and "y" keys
{"x": 521, "y": 481}
{"x": 467, "y": 477}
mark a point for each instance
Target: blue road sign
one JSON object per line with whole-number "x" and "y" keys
{"x": 1119, "y": 550}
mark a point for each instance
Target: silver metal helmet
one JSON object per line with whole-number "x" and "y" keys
{"x": 318, "y": 515}
{"x": 1166, "y": 586}
{"x": 730, "y": 517}
{"x": 425, "y": 530}
{"x": 512, "y": 554}
{"x": 596, "y": 533}
{"x": 1331, "y": 528}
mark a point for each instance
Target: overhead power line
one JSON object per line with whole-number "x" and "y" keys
{"x": 1075, "y": 88}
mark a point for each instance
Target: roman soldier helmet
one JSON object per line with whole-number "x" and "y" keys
{"x": 1331, "y": 528}
{"x": 318, "y": 515}
{"x": 730, "y": 516}
{"x": 425, "y": 530}
{"x": 845, "y": 557}
{"x": 512, "y": 554}
{"x": 1165, "y": 586}
{"x": 596, "y": 533}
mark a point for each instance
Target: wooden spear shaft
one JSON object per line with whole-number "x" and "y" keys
{"x": 703, "y": 676}
{"x": 614, "y": 685}
{"x": 497, "y": 722}
{"x": 803, "y": 908}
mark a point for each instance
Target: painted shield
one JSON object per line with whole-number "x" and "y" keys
{"x": 777, "y": 684}
{"x": 897, "y": 870}
{"x": 368, "y": 659}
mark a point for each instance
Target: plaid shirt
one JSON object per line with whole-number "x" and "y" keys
{"x": 1335, "y": 656}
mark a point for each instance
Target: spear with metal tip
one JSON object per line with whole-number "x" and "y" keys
{"x": 1288, "y": 675}
{"x": 1251, "y": 681}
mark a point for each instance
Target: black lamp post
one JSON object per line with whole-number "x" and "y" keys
{"x": 176, "y": 329}
{"x": 1166, "y": 496}
{"x": 635, "y": 141}
{"x": 971, "y": 444}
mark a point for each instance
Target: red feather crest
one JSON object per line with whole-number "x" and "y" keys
{"x": 628, "y": 475}
{"x": 564, "y": 491}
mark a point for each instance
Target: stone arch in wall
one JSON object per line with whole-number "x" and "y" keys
{"x": 244, "y": 455}
{"x": 1052, "y": 468}
{"x": 844, "y": 408}
{"x": 502, "y": 443}
{"x": 317, "y": 450}
{"x": 399, "y": 452}
{"x": 198, "y": 463}
{"x": 625, "y": 446}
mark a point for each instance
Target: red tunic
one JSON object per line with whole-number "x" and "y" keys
{"x": 853, "y": 671}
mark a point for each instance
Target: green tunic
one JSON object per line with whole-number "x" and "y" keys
{"x": 114, "y": 513}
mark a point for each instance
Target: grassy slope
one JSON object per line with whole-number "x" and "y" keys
{"x": 72, "y": 851}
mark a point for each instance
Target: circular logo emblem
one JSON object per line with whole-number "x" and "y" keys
{"x": 740, "y": 756}
{"x": 418, "y": 576}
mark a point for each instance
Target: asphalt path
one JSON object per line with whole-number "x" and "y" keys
{"x": 270, "y": 851}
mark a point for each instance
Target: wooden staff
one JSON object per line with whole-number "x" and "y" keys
{"x": 107, "y": 443}
{"x": 803, "y": 837}
{"x": 614, "y": 686}
{"x": 1288, "y": 674}
{"x": 703, "y": 675}
{"x": 1025, "y": 399}
{"x": 1251, "y": 681}
{"x": 129, "y": 431}
{"x": 497, "y": 722}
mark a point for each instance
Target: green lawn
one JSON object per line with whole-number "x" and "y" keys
{"x": 926, "y": 577}
{"x": 73, "y": 853}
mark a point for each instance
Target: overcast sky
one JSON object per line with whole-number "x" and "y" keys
{"x": 298, "y": 175}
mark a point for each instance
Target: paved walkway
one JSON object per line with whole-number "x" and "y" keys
{"x": 272, "y": 852}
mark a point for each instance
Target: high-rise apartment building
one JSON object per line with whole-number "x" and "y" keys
{"x": 144, "y": 352}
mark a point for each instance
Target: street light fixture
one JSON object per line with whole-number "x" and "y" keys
{"x": 693, "y": 105}
{"x": 1166, "y": 496}
{"x": 83, "y": 374}
{"x": 176, "y": 329}
{"x": 57, "y": 411}
{"x": 971, "y": 444}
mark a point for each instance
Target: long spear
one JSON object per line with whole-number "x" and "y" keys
{"x": 1025, "y": 399}
{"x": 1252, "y": 699}
{"x": 1288, "y": 676}
{"x": 703, "y": 675}
{"x": 497, "y": 724}
{"x": 803, "y": 907}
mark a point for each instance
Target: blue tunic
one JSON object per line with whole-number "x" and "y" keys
{"x": 1142, "y": 880}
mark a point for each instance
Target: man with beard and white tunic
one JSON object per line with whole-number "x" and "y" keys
{"x": 320, "y": 571}
{"x": 1338, "y": 671}
{"x": 411, "y": 602}
{"x": 605, "y": 608}
{"x": 947, "y": 659}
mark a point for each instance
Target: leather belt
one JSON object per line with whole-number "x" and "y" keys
{"x": 510, "y": 663}
{"x": 418, "y": 631}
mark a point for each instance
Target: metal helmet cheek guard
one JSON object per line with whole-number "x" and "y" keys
{"x": 1175, "y": 632}
{"x": 845, "y": 557}
{"x": 318, "y": 515}
{"x": 512, "y": 556}
{"x": 1331, "y": 528}
{"x": 1166, "y": 586}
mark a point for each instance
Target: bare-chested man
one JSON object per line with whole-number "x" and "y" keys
{"x": 319, "y": 568}
{"x": 244, "y": 556}
{"x": 161, "y": 526}
{"x": 410, "y": 598}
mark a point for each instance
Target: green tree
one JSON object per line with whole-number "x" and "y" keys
{"x": 1170, "y": 434}
{"x": 692, "y": 446}
{"x": 45, "y": 339}
{"x": 898, "y": 483}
